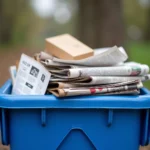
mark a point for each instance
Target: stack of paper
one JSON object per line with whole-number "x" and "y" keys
{"x": 105, "y": 73}
{"x": 68, "y": 67}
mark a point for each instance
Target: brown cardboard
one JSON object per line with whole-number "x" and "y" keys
{"x": 67, "y": 47}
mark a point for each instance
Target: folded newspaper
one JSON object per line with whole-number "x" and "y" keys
{"x": 104, "y": 73}
{"x": 61, "y": 92}
{"x": 102, "y": 57}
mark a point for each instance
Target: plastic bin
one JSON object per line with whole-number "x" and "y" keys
{"x": 75, "y": 123}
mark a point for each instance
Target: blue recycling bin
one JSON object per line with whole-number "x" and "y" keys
{"x": 74, "y": 123}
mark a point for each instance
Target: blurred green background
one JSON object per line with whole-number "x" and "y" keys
{"x": 24, "y": 25}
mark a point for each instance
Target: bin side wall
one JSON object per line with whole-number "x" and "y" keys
{"x": 66, "y": 129}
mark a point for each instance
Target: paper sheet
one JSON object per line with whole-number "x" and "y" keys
{"x": 13, "y": 73}
{"x": 32, "y": 78}
{"x": 102, "y": 57}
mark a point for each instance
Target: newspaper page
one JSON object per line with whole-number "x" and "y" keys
{"x": 61, "y": 85}
{"x": 131, "y": 63}
{"x": 128, "y": 92}
{"x": 13, "y": 73}
{"x": 133, "y": 92}
{"x": 125, "y": 70}
{"x": 102, "y": 57}
{"x": 69, "y": 80}
{"x": 121, "y": 83}
{"x": 93, "y": 91}
{"x": 60, "y": 66}
{"x": 109, "y": 71}
{"x": 99, "y": 80}
{"x": 32, "y": 78}
{"x": 44, "y": 56}
{"x": 49, "y": 62}
{"x": 46, "y": 60}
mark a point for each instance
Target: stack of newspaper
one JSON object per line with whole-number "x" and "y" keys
{"x": 105, "y": 73}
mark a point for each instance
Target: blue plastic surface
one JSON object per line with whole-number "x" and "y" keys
{"x": 75, "y": 123}
{"x": 84, "y": 102}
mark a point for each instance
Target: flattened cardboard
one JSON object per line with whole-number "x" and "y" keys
{"x": 67, "y": 47}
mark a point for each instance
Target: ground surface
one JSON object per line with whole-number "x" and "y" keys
{"x": 3, "y": 147}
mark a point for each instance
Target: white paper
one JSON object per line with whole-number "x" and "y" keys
{"x": 32, "y": 78}
{"x": 102, "y": 57}
{"x": 13, "y": 73}
{"x": 125, "y": 70}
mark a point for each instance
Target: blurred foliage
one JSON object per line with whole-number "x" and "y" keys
{"x": 135, "y": 14}
{"x": 140, "y": 52}
{"x": 15, "y": 21}
{"x": 24, "y": 28}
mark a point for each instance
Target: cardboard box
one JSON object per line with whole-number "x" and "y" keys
{"x": 67, "y": 47}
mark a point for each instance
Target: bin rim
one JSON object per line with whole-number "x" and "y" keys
{"x": 78, "y": 102}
